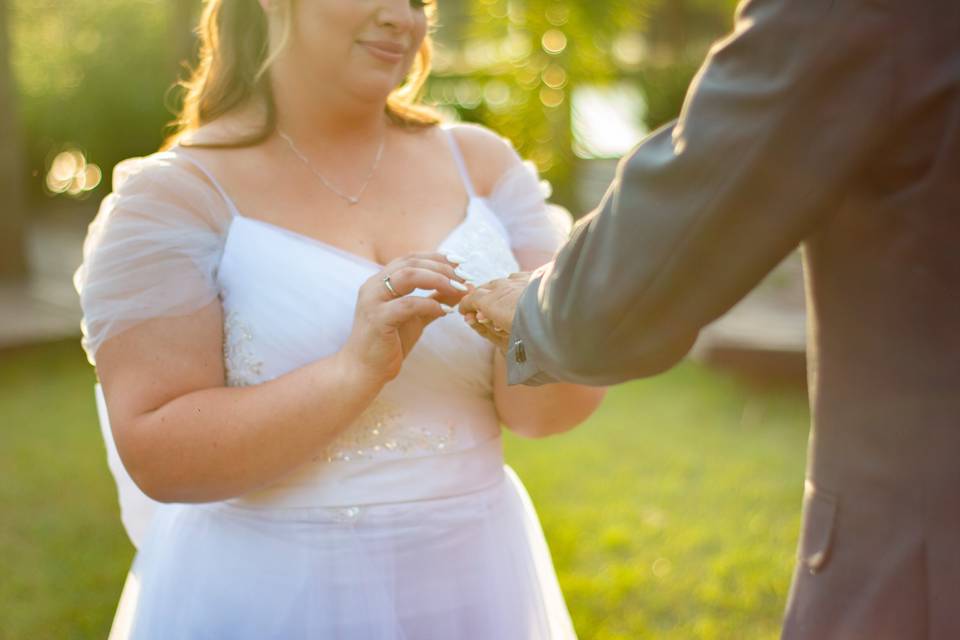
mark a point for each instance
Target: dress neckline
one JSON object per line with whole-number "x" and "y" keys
{"x": 236, "y": 214}
{"x": 472, "y": 197}
{"x": 340, "y": 251}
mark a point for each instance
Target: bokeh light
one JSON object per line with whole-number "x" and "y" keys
{"x": 551, "y": 98}
{"x": 554, "y": 41}
{"x": 71, "y": 174}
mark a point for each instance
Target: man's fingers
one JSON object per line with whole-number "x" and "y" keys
{"x": 497, "y": 340}
{"x": 493, "y": 303}
{"x": 469, "y": 303}
{"x": 478, "y": 297}
{"x": 489, "y": 324}
{"x": 482, "y": 330}
{"x": 493, "y": 308}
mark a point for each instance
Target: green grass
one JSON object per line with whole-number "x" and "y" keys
{"x": 672, "y": 514}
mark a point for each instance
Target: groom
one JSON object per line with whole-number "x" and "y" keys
{"x": 835, "y": 124}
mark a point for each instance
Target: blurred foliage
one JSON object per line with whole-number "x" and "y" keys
{"x": 92, "y": 75}
{"x": 525, "y": 58}
{"x": 97, "y": 76}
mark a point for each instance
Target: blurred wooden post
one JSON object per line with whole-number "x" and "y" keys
{"x": 13, "y": 262}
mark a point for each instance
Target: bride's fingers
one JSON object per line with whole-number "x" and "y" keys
{"x": 434, "y": 257}
{"x": 397, "y": 312}
{"x": 450, "y": 301}
{"x": 406, "y": 279}
{"x": 450, "y": 271}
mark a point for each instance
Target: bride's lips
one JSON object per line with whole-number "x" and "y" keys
{"x": 384, "y": 50}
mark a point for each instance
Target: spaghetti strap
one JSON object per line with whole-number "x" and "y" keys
{"x": 461, "y": 165}
{"x": 223, "y": 194}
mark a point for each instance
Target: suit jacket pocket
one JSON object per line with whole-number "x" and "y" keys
{"x": 816, "y": 538}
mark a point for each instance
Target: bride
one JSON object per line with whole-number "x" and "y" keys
{"x": 266, "y": 301}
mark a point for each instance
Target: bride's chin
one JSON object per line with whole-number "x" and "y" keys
{"x": 373, "y": 93}
{"x": 377, "y": 81}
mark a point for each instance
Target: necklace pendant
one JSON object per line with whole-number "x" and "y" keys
{"x": 351, "y": 200}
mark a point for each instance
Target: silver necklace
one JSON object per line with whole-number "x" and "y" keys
{"x": 352, "y": 200}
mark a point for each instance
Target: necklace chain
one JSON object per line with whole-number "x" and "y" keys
{"x": 350, "y": 199}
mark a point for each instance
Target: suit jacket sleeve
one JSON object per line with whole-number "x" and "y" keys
{"x": 777, "y": 123}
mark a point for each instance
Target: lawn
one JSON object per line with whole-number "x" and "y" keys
{"x": 672, "y": 514}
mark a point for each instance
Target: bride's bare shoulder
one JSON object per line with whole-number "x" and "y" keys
{"x": 219, "y": 132}
{"x": 239, "y": 124}
{"x": 220, "y": 147}
{"x": 487, "y": 154}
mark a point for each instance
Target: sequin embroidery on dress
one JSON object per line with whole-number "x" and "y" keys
{"x": 380, "y": 431}
{"x": 242, "y": 367}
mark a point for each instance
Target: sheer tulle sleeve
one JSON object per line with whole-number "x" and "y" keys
{"x": 537, "y": 228}
{"x": 152, "y": 250}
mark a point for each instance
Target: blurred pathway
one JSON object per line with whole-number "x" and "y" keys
{"x": 764, "y": 336}
{"x": 45, "y": 307}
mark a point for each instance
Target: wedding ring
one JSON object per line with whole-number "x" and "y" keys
{"x": 389, "y": 286}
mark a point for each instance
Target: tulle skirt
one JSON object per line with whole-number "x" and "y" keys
{"x": 470, "y": 567}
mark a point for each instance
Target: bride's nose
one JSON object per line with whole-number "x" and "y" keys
{"x": 397, "y": 14}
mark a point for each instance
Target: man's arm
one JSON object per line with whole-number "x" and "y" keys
{"x": 776, "y": 124}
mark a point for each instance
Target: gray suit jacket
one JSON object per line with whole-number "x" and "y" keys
{"x": 835, "y": 124}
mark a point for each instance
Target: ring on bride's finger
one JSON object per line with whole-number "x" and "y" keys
{"x": 389, "y": 286}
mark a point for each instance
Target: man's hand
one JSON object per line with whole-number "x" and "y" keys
{"x": 489, "y": 309}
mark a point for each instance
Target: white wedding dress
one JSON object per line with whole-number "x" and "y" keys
{"x": 408, "y": 526}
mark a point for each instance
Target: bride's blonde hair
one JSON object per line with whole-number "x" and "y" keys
{"x": 234, "y": 68}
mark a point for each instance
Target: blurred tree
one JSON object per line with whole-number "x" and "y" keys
{"x": 12, "y": 241}
{"x": 527, "y": 58}
{"x": 524, "y": 59}
{"x": 92, "y": 76}
{"x": 677, "y": 36}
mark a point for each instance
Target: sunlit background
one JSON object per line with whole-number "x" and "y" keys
{"x": 672, "y": 514}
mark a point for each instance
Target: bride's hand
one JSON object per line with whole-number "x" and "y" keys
{"x": 387, "y": 324}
